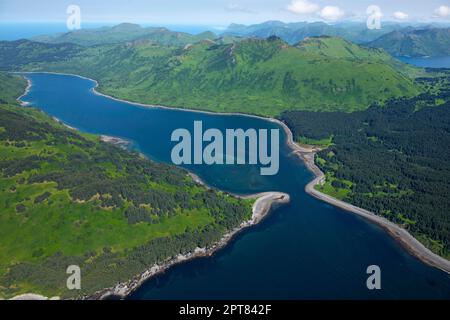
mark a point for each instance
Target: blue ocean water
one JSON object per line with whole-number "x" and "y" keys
{"x": 304, "y": 250}
{"x": 430, "y": 62}
{"x": 14, "y": 31}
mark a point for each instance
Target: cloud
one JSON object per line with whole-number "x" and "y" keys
{"x": 233, "y": 7}
{"x": 331, "y": 13}
{"x": 219, "y": 28}
{"x": 302, "y": 7}
{"x": 443, "y": 11}
{"x": 400, "y": 15}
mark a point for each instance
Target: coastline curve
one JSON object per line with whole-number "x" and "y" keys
{"x": 265, "y": 202}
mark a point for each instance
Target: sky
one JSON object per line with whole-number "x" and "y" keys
{"x": 222, "y": 12}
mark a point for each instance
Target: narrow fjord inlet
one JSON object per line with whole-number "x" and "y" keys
{"x": 226, "y": 159}
{"x": 307, "y": 249}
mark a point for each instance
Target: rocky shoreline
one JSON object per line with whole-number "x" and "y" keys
{"x": 402, "y": 236}
{"x": 264, "y": 203}
{"x": 27, "y": 90}
{"x": 262, "y": 206}
{"x": 122, "y": 143}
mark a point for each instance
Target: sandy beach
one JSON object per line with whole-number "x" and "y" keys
{"x": 32, "y": 296}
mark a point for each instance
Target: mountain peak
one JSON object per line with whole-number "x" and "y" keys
{"x": 422, "y": 42}
{"x": 126, "y": 26}
{"x": 336, "y": 47}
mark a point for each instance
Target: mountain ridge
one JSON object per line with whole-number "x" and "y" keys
{"x": 415, "y": 43}
{"x": 296, "y": 31}
{"x": 122, "y": 33}
{"x": 256, "y": 76}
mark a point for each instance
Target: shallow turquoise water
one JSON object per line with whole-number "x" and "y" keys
{"x": 307, "y": 249}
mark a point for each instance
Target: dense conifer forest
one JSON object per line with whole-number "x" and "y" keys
{"x": 391, "y": 159}
{"x": 68, "y": 198}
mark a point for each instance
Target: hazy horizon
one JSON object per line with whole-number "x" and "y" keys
{"x": 29, "y": 29}
{"x": 222, "y": 12}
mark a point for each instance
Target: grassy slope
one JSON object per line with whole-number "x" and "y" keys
{"x": 262, "y": 77}
{"x": 47, "y": 224}
{"x": 11, "y": 87}
{"x": 266, "y": 78}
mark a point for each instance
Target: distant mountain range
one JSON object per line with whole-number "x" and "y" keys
{"x": 414, "y": 43}
{"x": 294, "y": 32}
{"x": 398, "y": 39}
{"x": 122, "y": 33}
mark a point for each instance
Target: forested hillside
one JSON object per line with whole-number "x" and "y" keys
{"x": 14, "y": 54}
{"x": 11, "y": 87}
{"x": 392, "y": 160}
{"x": 74, "y": 200}
{"x": 264, "y": 77}
{"x": 415, "y": 43}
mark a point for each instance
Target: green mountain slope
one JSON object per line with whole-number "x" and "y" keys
{"x": 69, "y": 199}
{"x": 264, "y": 77}
{"x": 11, "y": 87}
{"x": 14, "y": 54}
{"x": 122, "y": 33}
{"x": 432, "y": 42}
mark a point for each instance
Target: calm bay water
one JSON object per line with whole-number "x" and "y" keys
{"x": 431, "y": 62}
{"x": 305, "y": 250}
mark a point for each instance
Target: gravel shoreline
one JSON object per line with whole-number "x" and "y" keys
{"x": 402, "y": 236}
{"x": 262, "y": 206}
{"x": 264, "y": 203}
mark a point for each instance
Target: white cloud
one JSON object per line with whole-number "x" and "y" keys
{"x": 302, "y": 7}
{"x": 233, "y": 7}
{"x": 331, "y": 13}
{"x": 443, "y": 11}
{"x": 400, "y": 15}
{"x": 220, "y": 28}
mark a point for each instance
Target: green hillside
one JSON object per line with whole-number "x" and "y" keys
{"x": 414, "y": 43}
{"x": 15, "y": 54}
{"x": 122, "y": 33}
{"x": 73, "y": 200}
{"x": 264, "y": 77}
{"x": 11, "y": 87}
